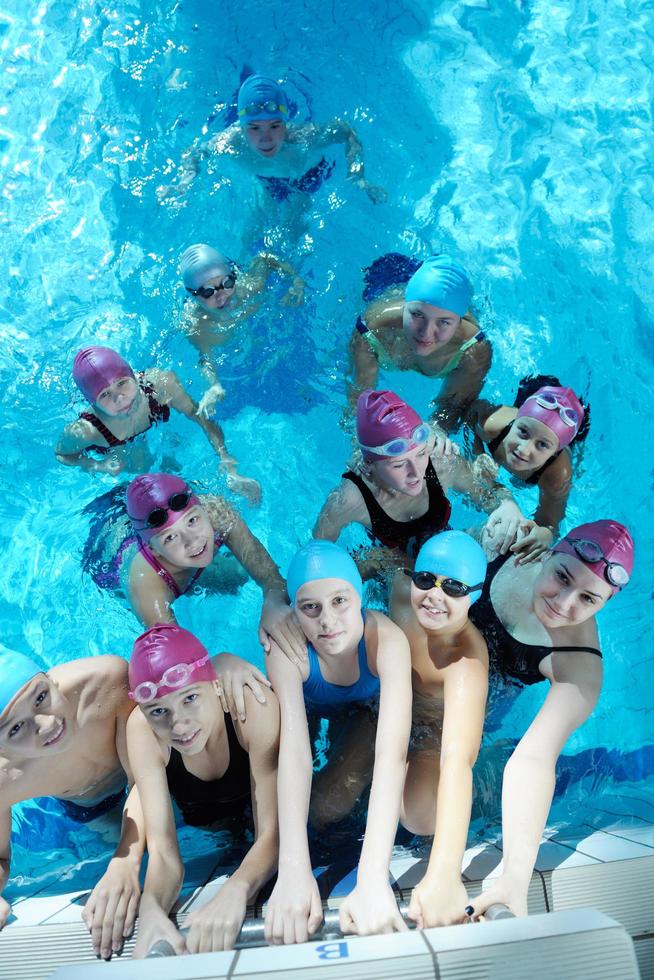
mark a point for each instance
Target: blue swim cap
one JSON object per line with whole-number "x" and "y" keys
{"x": 15, "y": 672}
{"x": 200, "y": 263}
{"x": 441, "y": 281}
{"x": 260, "y": 97}
{"x": 321, "y": 559}
{"x": 456, "y": 555}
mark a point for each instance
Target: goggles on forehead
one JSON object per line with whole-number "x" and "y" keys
{"x": 253, "y": 108}
{"x": 589, "y": 551}
{"x": 176, "y": 502}
{"x": 450, "y": 586}
{"x": 177, "y": 676}
{"x": 567, "y": 415}
{"x": 398, "y": 446}
{"x": 206, "y": 292}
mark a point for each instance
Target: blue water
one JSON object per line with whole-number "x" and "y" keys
{"x": 516, "y": 136}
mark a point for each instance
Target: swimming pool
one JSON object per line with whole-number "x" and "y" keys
{"x": 518, "y": 138}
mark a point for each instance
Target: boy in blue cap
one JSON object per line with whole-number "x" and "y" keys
{"x": 286, "y": 158}
{"x": 62, "y": 734}
{"x": 449, "y": 669}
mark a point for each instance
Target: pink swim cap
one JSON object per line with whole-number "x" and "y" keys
{"x": 159, "y": 649}
{"x": 613, "y": 546}
{"x": 552, "y": 406}
{"x": 381, "y": 417}
{"x": 157, "y": 492}
{"x": 94, "y": 368}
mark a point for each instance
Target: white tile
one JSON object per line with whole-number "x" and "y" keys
{"x": 606, "y": 847}
{"x": 37, "y": 910}
{"x": 554, "y": 855}
{"x": 482, "y": 861}
{"x": 204, "y": 894}
{"x": 642, "y": 835}
{"x": 408, "y": 871}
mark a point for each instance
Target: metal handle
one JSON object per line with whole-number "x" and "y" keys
{"x": 252, "y": 930}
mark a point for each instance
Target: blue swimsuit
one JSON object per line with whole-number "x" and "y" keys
{"x": 319, "y": 693}
{"x": 281, "y": 188}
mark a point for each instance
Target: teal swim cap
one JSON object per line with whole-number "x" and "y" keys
{"x": 15, "y": 672}
{"x": 441, "y": 281}
{"x": 321, "y": 559}
{"x": 456, "y": 555}
{"x": 200, "y": 263}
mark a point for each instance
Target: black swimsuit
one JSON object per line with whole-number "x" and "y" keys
{"x": 516, "y": 661}
{"x": 409, "y": 536}
{"x": 535, "y": 477}
{"x": 158, "y": 413}
{"x": 202, "y": 801}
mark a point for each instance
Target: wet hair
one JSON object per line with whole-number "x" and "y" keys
{"x": 531, "y": 383}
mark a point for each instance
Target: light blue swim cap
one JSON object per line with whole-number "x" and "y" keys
{"x": 321, "y": 559}
{"x": 200, "y": 263}
{"x": 456, "y": 555}
{"x": 260, "y": 97}
{"x": 441, "y": 281}
{"x": 15, "y": 672}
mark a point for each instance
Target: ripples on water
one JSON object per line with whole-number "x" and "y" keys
{"x": 518, "y": 136}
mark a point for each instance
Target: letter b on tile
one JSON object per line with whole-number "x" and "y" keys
{"x": 332, "y": 951}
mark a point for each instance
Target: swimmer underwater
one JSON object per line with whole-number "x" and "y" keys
{"x": 287, "y": 158}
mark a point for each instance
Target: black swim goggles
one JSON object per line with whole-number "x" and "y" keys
{"x": 450, "y": 586}
{"x": 206, "y": 292}
{"x": 176, "y": 502}
{"x": 589, "y": 551}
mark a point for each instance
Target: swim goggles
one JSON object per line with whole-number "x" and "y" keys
{"x": 567, "y": 415}
{"x": 398, "y": 446}
{"x": 450, "y": 586}
{"x": 589, "y": 551}
{"x": 176, "y": 502}
{"x": 206, "y": 292}
{"x": 252, "y": 108}
{"x": 177, "y": 676}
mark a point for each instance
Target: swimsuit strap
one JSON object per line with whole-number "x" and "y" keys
{"x": 112, "y": 440}
{"x": 375, "y": 345}
{"x": 497, "y": 441}
{"x": 159, "y": 569}
{"x": 456, "y": 358}
{"x": 595, "y": 650}
{"x": 158, "y": 411}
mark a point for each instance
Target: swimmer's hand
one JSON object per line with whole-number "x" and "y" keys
{"x": 377, "y": 194}
{"x": 505, "y": 891}
{"x": 295, "y": 295}
{"x": 437, "y": 901}
{"x": 501, "y": 528}
{"x": 536, "y": 540}
{"x": 294, "y": 909}
{"x": 216, "y": 925}
{"x": 110, "y": 911}
{"x": 5, "y": 911}
{"x": 443, "y": 446}
{"x": 212, "y": 395}
{"x": 371, "y": 909}
{"x": 234, "y": 675}
{"x": 246, "y": 487}
{"x": 279, "y": 623}
{"x": 154, "y": 925}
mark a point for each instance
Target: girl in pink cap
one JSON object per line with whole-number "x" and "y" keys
{"x": 397, "y": 490}
{"x": 122, "y": 406}
{"x": 183, "y": 746}
{"x": 539, "y": 623}
{"x": 530, "y": 440}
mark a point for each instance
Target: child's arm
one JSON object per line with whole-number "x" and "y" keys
{"x": 462, "y": 386}
{"x": 338, "y": 131}
{"x": 371, "y": 907}
{"x": 441, "y": 898}
{"x": 170, "y": 390}
{"x": 266, "y": 262}
{"x": 294, "y": 909}
{"x": 72, "y": 445}
{"x": 530, "y": 775}
{"x": 165, "y": 872}
{"x": 149, "y": 596}
{"x": 216, "y": 925}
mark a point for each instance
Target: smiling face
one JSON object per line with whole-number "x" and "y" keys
{"x": 329, "y": 613}
{"x": 402, "y": 474}
{"x": 119, "y": 398}
{"x": 427, "y": 327}
{"x": 436, "y": 611}
{"x": 188, "y": 543}
{"x": 38, "y": 721}
{"x": 266, "y": 136}
{"x": 567, "y": 593}
{"x": 529, "y": 444}
{"x": 184, "y": 719}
